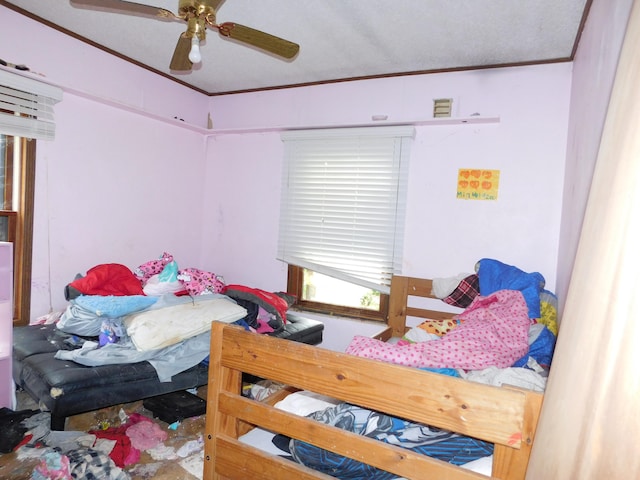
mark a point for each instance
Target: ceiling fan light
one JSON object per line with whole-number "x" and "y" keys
{"x": 194, "y": 53}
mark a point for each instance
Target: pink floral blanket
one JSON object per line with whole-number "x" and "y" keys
{"x": 494, "y": 332}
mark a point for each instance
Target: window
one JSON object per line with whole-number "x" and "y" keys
{"x": 26, "y": 106}
{"x": 26, "y": 114}
{"x": 321, "y": 293}
{"x": 342, "y": 214}
{"x": 7, "y": 215}
{"x": 17, "y": 179}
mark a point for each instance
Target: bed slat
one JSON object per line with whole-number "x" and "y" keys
{"x": 506, "y": 417}
{"x": 400, "y": 461}
{"x": 236, "y": 460}
{"x": 430, "y": 398}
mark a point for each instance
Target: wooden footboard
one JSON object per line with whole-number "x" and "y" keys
{"x": 504, "y": 416}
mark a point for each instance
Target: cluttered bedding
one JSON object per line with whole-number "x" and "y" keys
{"x": 509, "y": 321}
{"x": 127, "y": 335}
{"x": 159, "y": 314}
{"x": 504, "y": 335}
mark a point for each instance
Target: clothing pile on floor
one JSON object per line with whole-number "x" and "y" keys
{"x": 111, "y": 450}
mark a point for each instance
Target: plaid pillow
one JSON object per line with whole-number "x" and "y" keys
{"x": 465, "y": 292}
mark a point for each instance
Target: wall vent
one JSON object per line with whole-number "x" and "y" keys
{"x": 442, "y": 107}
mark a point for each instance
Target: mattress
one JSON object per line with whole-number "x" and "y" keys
{"x": 67, "y": 388}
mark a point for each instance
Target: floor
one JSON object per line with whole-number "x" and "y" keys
{"x": 189, "y": 430}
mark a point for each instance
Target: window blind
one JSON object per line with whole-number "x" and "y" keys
{"x": 343, "y": 202}
{"x": 26, "y": 106}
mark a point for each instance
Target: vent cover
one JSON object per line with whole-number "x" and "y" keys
{"x": 442, "y": 107}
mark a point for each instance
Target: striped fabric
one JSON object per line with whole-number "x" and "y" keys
{"x": 441, "y": 444}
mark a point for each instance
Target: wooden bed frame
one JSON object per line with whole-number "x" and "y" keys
{"x": 505, "y": 416}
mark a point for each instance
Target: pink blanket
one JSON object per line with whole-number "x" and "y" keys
{"x": 494, "y": 333}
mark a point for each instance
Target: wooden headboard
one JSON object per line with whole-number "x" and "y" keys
{"x": 402, "y": 289}
{"x": 504, "y": 416}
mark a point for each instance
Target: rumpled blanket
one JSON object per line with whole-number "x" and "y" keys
{"x": 540, "y": 348}
{"x": 494, "y": 275}
{"x": 515, "y": 376}
{"x": 167, "y": 362}
{"x": 434, "y": 442}
{"x": 493, "y": 332}
{"x": 85, "y": 314}
{"x": 275, "y": 304}
{"x": 105, "y": 279}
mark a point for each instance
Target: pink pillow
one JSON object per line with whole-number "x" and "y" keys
{"x": 153, "y": 267}
{"x": 198, "y": 282}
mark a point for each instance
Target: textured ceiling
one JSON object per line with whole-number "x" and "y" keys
{"x": 339, "y": 39}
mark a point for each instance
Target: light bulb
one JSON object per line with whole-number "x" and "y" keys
{"x": 194, "y": 53}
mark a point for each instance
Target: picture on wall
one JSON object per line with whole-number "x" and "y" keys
{"x": 477, "y": 184}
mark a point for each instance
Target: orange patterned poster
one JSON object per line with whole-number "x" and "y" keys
{"x": 474, "y": 184}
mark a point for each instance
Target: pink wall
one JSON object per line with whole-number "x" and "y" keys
{"x": 593, "y": 74}
{"x": 122, "y": 181}
{"x": 77, "y": 66}
{"x": 588, "y": 427}
{"x": 444, "y": 235}
{"x": 112, "y": 187}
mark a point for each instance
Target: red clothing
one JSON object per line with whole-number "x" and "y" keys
{"x": 108, "y": 279}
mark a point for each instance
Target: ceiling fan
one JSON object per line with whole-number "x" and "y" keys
{"x": 198, "y": 14}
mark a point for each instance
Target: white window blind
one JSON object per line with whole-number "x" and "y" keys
{"x": 343, "y": 202}
{"x": 26, "y": 106}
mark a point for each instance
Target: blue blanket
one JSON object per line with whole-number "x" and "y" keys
{"x": 494, "y": 275}
{"x": 434, "y": 442}
{"x": 541, "y": 350}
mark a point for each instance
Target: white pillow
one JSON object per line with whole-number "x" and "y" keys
{"x": 159, "y": 328}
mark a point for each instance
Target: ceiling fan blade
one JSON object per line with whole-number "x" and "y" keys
{"x": 180, "y": 60}
{"x": 121, "y": 6}
{"x": 264, "y": 41}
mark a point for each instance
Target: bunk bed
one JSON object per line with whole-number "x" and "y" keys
{"x": 504, "y": 416}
